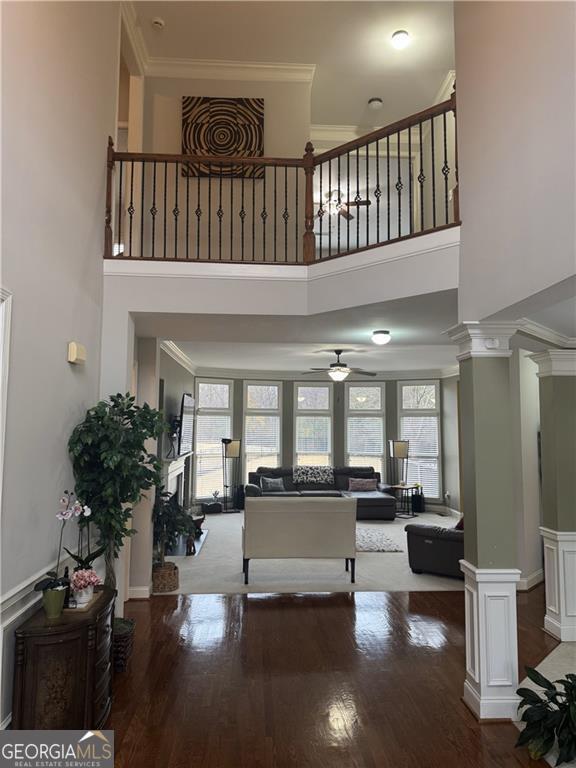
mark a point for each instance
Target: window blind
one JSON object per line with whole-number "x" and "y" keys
{"x": 210, "y": 429}
{"x": 313, "y": 440}
{"x": 261, "y": 441}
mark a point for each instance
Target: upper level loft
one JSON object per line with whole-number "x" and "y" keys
{"x": 394, "y": 183}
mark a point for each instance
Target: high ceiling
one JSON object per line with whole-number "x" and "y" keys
{"x": 295, "y": 343}
{"x": 349, "y": 42}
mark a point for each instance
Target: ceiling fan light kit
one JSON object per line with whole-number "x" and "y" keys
{"x": 381, "y": 337}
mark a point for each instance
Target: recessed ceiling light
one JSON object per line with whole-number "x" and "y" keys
{"x": 381, "y": 337}
{"x": 401, "y": 39}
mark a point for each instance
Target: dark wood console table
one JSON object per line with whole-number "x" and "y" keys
{"x": 63, "y": 668}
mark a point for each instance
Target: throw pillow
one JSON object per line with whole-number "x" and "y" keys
{"x": 272, "y": 484}
{"x": 306, "y": 475}
{"x": 459, "y": 525}
{"x": 362, "y": 484}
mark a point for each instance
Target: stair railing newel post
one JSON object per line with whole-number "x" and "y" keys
{"x": 309, "y": 244}
{"x": 456, "y": 190}
{"x": 108, "y": 216}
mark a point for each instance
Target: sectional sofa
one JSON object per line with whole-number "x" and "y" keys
{"x": 371, "y": 505}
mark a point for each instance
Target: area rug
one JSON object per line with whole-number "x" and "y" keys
{"x": 373, "y": 540}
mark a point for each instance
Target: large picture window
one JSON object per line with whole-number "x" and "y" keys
{"x": 365, "y": 426}
{"x": 213, "y": 422}
{"x": 313, "y": 424}
{"x": 419, "y": 423}
{"x": 262, "y": 425}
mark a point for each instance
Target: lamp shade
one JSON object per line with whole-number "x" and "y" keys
{"x": 231, "y": 448}
{"x": 398, "y": 449}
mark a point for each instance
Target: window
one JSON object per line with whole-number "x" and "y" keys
{"x": 313, "y": 424}
{"x": 365, "y": 426}
{"x": 419, "y": 423}
{"x": 262, "y": 426}
{"x": 213, "y": 422}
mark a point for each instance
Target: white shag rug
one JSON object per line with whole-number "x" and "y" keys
{"x": 374, "y": 540}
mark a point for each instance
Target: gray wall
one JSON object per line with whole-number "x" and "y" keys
{"x": 59, "y": 98}
{"x": 450, "y": 446}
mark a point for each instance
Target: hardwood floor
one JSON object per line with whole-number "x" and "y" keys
{"x": 362, "y": 680}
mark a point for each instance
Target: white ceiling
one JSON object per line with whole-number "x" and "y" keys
{"x": 280, "y": 343}
{"x": 349, "y": 42}
{"x": 560, "y": 317}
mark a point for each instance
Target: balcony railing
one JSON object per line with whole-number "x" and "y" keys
{"x": 394, "y": 183}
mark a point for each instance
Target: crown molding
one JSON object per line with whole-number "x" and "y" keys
{"x": 131, "y": 26}
{"x": 543, "y": 333}
{"x": 555, "y": 362}
{"x": 381, "y": 376}
{"x": 445, "y": 90}
{"x": 250, "y": 71}
{"x": 174, "y": 351}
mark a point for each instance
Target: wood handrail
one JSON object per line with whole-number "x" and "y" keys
{"x": 387, "y": 130}
{"x": 150, "y": 157}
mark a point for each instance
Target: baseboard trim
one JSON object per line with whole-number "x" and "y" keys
{"x": 566, "y": 634}
{"x": 531, "y": 581}
{"x": 139, "y": 593}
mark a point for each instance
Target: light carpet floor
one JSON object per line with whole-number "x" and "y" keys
{"x": 218, "y": 567}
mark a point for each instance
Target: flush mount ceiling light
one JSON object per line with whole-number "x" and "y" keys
{"x": 158, "y": 23}
{"x": 381, "y": 337}
{"x": 375, "y": 103}
{"x": 401, "y": 39}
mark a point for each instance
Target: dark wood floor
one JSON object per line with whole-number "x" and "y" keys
{"x": 363, "y": 680}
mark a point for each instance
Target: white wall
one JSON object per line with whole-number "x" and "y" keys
{"x": 516, "y": 151}
{"x": 59, "y": 85}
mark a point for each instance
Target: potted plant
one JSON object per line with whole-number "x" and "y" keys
{"x": 550, "y": 717}
{"x": 113, "y": 467}
{"x": 52, "y": 586}
{"x": 83, "y": 582}
{"x": 170, "y": 521}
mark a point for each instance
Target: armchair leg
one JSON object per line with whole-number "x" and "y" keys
{"x": 246, "y": 563}
{"x": 353, "y": 570}
{"x": 347, "y": 562}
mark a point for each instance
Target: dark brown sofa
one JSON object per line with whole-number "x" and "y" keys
{"x": 371, "y": 505}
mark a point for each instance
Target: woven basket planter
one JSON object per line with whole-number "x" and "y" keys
{"x": 123, "y": 642}
{"x": 165, "y": 578}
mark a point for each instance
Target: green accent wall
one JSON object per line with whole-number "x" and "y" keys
{"x": 558, "y": 451}
{"x": 487, "y": 467}
{"x": 287, "y": 423}
{"x": 339, "y": 426}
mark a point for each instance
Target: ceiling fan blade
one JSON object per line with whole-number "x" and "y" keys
{"x": 345, "y": 213}
{"x": 313, "y": 370}
{"x": 360, "y": 372}
{"x": 358, "y": 203}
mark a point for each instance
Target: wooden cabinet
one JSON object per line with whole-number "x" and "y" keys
{"x": 63, "y": 668}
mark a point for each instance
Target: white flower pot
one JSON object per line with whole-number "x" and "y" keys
{"x": 83, "y": 596}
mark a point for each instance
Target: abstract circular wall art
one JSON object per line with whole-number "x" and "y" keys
{"x": 222, "y": 128}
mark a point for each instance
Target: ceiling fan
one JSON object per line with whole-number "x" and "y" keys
{"x": 335, "y": 206}
{"x": 338, "y": 371}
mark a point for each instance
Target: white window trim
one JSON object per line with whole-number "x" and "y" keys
{"x": 199, "y": 411}
{"x": 352, "y": 412}
{"x": 310, "y": 412}
{"x": 263, "y": 412}
{"x": 425, "y": 412}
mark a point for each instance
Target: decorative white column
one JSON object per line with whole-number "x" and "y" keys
{"x": 489, "y": 519}
{"x": 557, "y": 374}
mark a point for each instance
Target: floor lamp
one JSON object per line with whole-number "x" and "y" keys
{"x": 230, "y": 450}
{"x": 398, "y": 452}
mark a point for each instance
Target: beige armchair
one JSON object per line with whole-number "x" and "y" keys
{"x": 298, "y": 528}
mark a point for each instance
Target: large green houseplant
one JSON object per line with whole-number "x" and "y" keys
{"x": 170, "y": 522}
{"x": 112, "y": 467}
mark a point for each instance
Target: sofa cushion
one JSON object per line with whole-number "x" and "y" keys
{"x": 281, "y": 493}
{"x": 272, "y": 484}
{"x": 329, "y": 493}
{"x": 283, "y": 472}
{"x": 312, "y": 478}
{"x": 362, "y": 484}
{"x": 343, "y": 474}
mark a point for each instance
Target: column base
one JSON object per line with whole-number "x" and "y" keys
{"x": 560, "y": 579}
{"x": 491, "y": 641}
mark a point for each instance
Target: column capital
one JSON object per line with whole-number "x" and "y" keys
{"x": 482, "y": 339}
{"x": 555, "y": 362}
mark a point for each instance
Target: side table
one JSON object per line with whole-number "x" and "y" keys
{"x": 404, "y": 493}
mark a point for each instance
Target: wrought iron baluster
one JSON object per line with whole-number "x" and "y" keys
{"x": 187, "y": 213}
{"x": 165, "y": 207}
{"x": 275, "y": 211}
{"x": 264, "y": 216}
{"x": 153, "y": 210}
{"x": 410, "y": 181}
{"x": 198, "y": 211}
{"x": 120, "y": 207}
{"x": 320, "y": 210}
{"x": 209, "y": 210}
{"x": 176, "y": 210}
{"x": 231, "y": 181}
{"x": 330, "y": 204}
{"x": 357, "y": 197}
{"x": 254, "y": 214}
{"x": 388, "y": 191}
{"x": 131, "y": 205}
{"x": 421, "y": 179}
{"x": 377, "y": 191}
{"x": 143, "y": 166}
{"x": 285, "y": 213}
{"x": 399, "y": 186}
{"x": 220, "y": 213}
{"x": 339, "y": 205}
{"x": 367, "y": 195}
{"x": 297, "y": 179}
{"x": 347, "y": 200}
{"x": 433, "y": 172}
{"x": 242, "y": 215}
{"x": 445, "y": 171}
